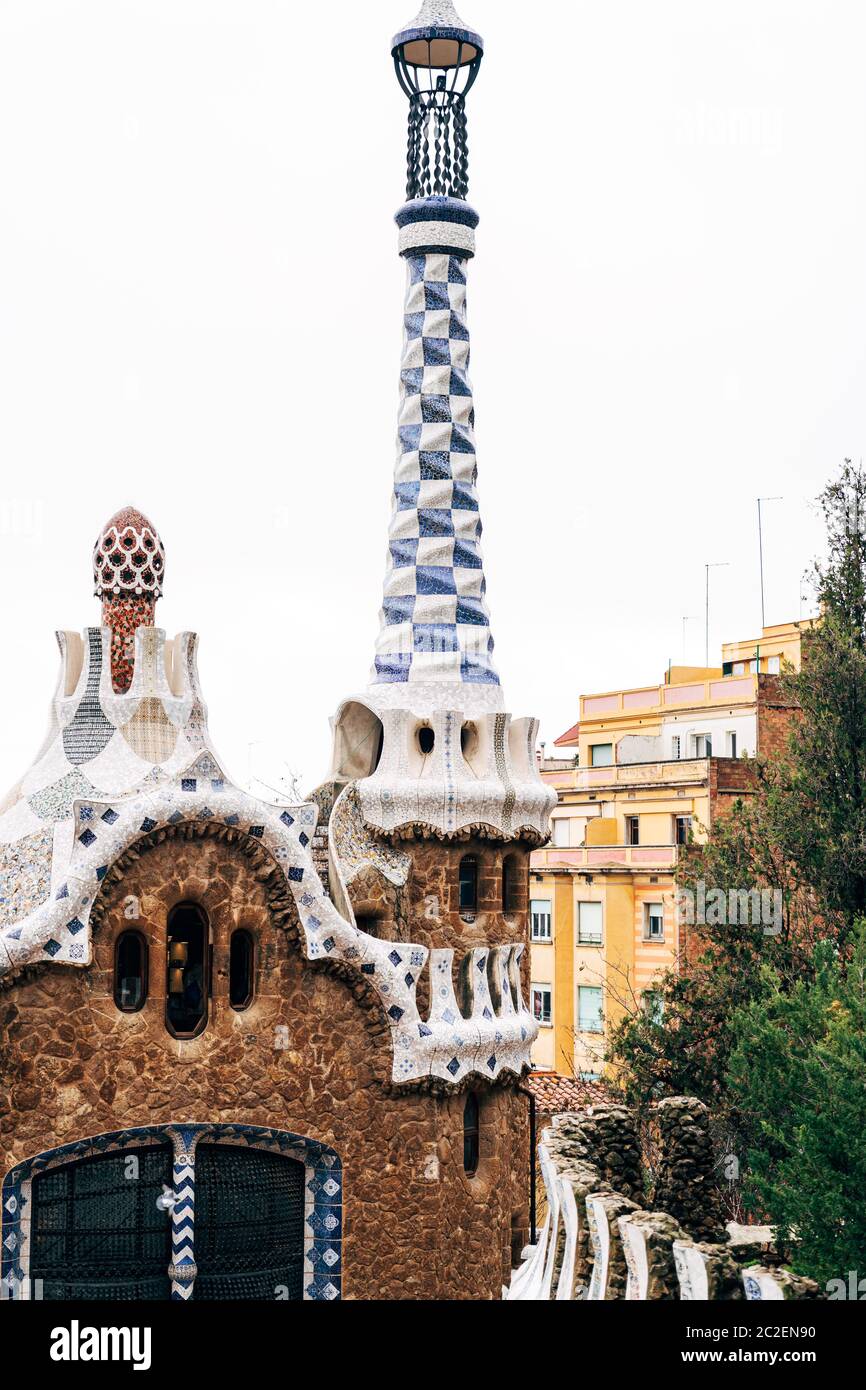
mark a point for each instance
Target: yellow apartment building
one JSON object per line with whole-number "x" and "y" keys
{"x": 639, "y": 773}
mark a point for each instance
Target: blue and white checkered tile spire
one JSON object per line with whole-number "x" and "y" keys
{"x": 435, "y": 625}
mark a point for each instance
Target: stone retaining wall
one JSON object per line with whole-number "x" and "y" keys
{"x": 598, "y": 1243}
{"x": 685, "y": 1183}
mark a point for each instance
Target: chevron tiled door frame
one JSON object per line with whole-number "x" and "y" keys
{"x": 323, "y": 1201}
{"x": 182, "y": 1270}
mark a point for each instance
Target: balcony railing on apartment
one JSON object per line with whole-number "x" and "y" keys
{"x": 589, "y": 856}
{"x": 675, "y": 771}
{"x": 656, "y": 698}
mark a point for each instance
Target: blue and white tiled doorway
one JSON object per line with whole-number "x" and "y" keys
{"x": 175, "y": 1211}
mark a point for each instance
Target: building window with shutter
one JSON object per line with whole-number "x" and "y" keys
{"x": 654, "y": 922}
{"x": 589, "y": 922}
{"x": 653, "y": 1005}
{"x": 511, "y": 884}
{"x": 187, "y": 970}
{"x": 562, "y": 832}
{"x": 540, "y": 919}
{"x": 683, "y": 829}
{"x": 241, "y": 957}
{"x": 590, "y": 1017}
{"x": 541, "y": 1004}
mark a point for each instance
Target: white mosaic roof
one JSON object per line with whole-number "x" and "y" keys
{"x": 115, "y": 768}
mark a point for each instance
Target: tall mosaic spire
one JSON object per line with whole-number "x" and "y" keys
{"x": 434, "y": 623}
{"x": 429, "y": 749}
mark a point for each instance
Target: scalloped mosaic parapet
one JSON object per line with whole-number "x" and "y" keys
{"x": 480, "y": 776}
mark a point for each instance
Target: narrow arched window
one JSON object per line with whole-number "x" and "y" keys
{"x": 241, "y": 963}
{"x": 471, "y": 1134}
{"x": 187, "y": 970}
{"x": 510, "y": 884}
{"x": 371, "y": 925}
{"x": 468, "y": 883}
{"x": 130, "y": 971}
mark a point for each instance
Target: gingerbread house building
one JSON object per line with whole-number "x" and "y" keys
{"x": 256, "y": 1050}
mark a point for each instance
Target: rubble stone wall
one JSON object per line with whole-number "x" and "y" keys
{"x": 606, "y": 1137}
{"x": 686, "y": 1184}
{"x": 597, "y": 1243}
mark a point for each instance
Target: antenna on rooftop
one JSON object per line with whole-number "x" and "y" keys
{"x": 761, "y": 553}
{"x": 717, "y": 565}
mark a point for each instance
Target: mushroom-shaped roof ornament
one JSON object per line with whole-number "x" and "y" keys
{"x": 437, "y": 57}
{"x": 128, "y": 557}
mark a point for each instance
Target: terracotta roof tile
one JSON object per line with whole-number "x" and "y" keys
{"x": 554, "y": 1093}
{"x": 568, "y": 738}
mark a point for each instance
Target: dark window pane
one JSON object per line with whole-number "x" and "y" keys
{"x": 249, "y": 1224}
{"x": 470, "y": 1134}
{"x": 241, "y": 969}
{"x": 130, "y": 971}
{"x": 468, "y": 884}
{"x": 187, "y": 971}
{"x": 96, "y": 1230}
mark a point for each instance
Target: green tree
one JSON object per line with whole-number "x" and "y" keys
{"x": 819, "y": 809}
{"x": 802, "y": 831}
{"x": 798, "y": 1078}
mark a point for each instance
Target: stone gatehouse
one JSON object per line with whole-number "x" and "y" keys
{"x": 252, "y": 1049}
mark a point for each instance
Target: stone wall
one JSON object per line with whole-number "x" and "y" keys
{"x": 309, "y": 1055}
{"x": 685, "y": 1183}
{"x": 597, "y": 1244}
{"x": 606, "y": 1137}
{"x": 427, "y": 908}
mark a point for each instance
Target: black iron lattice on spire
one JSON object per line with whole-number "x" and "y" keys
{"x": 437, "y": 58}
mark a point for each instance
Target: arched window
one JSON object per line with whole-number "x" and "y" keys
{"x": 468, "y": 883}
{"x": 510, "y": 884}
{"x": 241, "y": 969}
{"x": 187, "y": 970}
{"x": 471, "y": 1134}
{"x": 130, "y": 971}
{"x": 366, "y": 923}
{"x": 426, "y": 739}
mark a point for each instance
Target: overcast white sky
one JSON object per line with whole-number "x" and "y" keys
{"x": 200, "y": 310}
